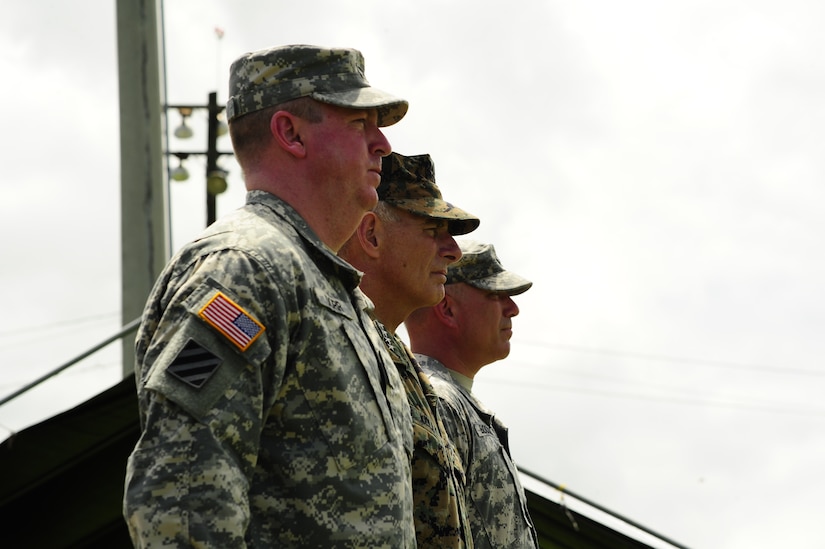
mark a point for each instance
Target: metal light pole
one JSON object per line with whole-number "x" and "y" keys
{"x": 213, "y": 179}
{"x": 215, "y": 175}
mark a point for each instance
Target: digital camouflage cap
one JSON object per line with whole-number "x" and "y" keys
{"x": 480, "y": 267}
{"x": 408, "y": 182}
{"x": 335, "y": 76}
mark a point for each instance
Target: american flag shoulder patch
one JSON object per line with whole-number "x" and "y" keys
{"x": 231, "y": 320}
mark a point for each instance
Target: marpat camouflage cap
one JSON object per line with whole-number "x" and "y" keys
{"x": 335, "y": 76}
{"x": 408, "y": 182}
{"x": 480, "y": 267}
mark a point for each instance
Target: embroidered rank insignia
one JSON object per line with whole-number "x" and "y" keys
{"x": 232, "y": 321}
{"x": 194, "y": 365}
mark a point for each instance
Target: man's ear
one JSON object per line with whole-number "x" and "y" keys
{"x": 286, "y": 129}
{"x": 445, "y": 310}
{"x": 368, "y": 233}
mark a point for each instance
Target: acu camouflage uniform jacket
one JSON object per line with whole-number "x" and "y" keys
{"x": 272, "y": 415}
{"x": 496, "y": 504}
{"x": 441, "y": 519}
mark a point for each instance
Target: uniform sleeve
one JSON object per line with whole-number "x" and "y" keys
{"x": 209, "y": 375}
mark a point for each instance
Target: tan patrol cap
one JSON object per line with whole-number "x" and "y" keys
{"x": 480, "y": 267}
{"x": 335, "y": 76}
{"x": 408, "y": 182}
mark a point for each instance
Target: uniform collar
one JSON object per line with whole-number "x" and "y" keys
{"x": 322, "y": 254}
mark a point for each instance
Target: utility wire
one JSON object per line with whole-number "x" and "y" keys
{"x": 587, "y": 376}
{"x": 125, "y": 330}
{"x": 812, "y": 412}
{"x": 83, "y": 370}
{"x": 60, "y": 324}
{"x": 667, "y": 358}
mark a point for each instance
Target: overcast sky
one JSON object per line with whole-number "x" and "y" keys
{"x": 656, "y": 168}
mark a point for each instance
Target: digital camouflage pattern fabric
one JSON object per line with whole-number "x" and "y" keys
{"x": 441, "y": 519}
{"x": 408, "y": 182}
{"x": 335, "y": 76}
{"x": 272, "y": 414}
{"x": 496, "y": 504}
{"x": 480, "y": 267}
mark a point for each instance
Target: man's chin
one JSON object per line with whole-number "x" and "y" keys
{"x": 435, "y": 296}
{"x": 371, "y": 202}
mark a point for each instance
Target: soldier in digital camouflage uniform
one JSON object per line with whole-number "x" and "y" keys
{"x": 404, "y": 247}
{"x": 470, "y": 328}
{"x": 272, "y": 414}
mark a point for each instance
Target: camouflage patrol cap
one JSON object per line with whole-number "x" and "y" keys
{"x": 335, "y": 76}
{"x": 408, "y": 182}
{"x": 480, "y": 267}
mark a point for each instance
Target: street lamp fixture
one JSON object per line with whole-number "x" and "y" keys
{"x": 183, "y": 131}
{"x": 215, "y": 175}
{"x": 179, "y": 172}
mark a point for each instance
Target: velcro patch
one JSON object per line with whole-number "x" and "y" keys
{"x": 331, "y": 302}
{"x": 194, "y": 365}
{"x": 232, "y": 321}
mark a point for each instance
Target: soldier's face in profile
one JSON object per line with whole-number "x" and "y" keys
{"x": 419, "y": 251}
{"x": 486, "y": 320}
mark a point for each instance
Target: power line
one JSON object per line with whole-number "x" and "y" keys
{"x": 81, "y": 370}
{"x": 659, "y": 389}
{"x": 53, "y": 325}
{"x": 585, "y": 375}
{"x": 130, "y": 327}
{"x": 811, "y": 412}
{"x": 11, "y": 339}
{"x": 668, "y": 358}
